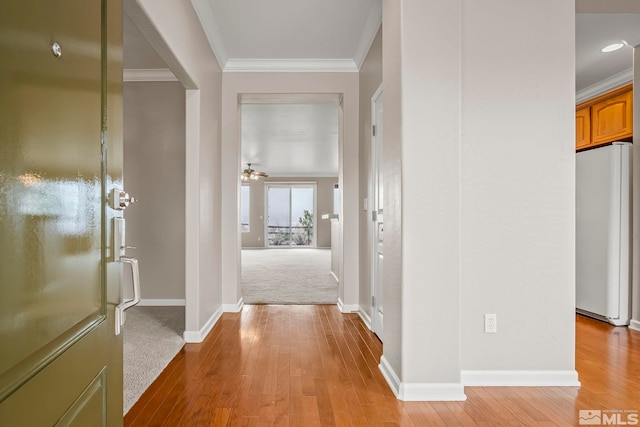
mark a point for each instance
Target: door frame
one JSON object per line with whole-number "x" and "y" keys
{"x": 192, "y": 331}
{"x": 375, "y": 155}
{"x": 290, "y": 185}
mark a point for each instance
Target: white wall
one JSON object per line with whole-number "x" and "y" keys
{"x": 518, "y": 185}
{"x": 393, "y": 333}
{"x": 479, "y": 194}
{"x": 236, "y": 83}
{"x": 154, "y": 150}
{"x": 430, "y": 179}
{"x": 173, "y": 29}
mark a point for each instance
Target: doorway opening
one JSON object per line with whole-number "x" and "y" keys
{"x": 286, "y": 245}
{"x": 154, "y": 155}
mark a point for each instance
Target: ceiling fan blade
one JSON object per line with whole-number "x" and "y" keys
{"x": 262, "y": 174}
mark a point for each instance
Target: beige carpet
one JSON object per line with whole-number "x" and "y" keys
{"x": 152, "y": 337}
{"x": 288, "y": 276}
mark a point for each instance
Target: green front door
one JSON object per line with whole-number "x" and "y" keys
{"x": 60, "y": 154}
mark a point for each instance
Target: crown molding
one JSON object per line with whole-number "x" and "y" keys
{"x": 291, "y": 65}
{"x": 632, "y": 40}
{"x": 214, "y": 36}
{"x": 605, "y": 85}
{"x": 148, "y": 75}
{"x": 211, "y": 29}
{"x": 374, "y": 21}
{"x": 290, "y": 98}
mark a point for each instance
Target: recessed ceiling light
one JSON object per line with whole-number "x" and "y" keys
{"x": 612, "y": 47}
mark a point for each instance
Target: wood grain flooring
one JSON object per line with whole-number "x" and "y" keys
{"x": 314, "y": 366}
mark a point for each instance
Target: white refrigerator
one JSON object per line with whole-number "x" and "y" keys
{"x": 603, "y": 232}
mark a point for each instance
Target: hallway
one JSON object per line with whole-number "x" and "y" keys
{"x": 312, "y": 365}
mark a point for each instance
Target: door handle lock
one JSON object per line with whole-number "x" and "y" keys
{"x": 135, "y": 279}
{"x": 120, "y": 199}
{"x": 119, "y": 248}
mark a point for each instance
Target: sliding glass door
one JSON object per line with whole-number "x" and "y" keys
{"x": 291, "y": 219}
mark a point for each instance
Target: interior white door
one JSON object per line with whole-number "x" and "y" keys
{"x": 377, "y": 300}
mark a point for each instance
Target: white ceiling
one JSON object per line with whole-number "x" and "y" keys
{"x": 298, "y": 140}
{"x": 595, "y": 31}
{"x": 331, "y": 35}
{"x": 290, "y": 34}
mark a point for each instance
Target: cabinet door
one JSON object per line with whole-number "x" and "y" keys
{"x": 583, "y": 128}
{"x": 612, "y": 119}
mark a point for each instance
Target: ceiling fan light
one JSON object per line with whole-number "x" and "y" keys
{"x": 251, "y": 175}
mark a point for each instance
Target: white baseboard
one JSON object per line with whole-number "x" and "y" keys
{"x": 162, "y": 303}
{"x": 390, "y": 375}
{"x": 635, "y": 325}
{"x": 334, "y": 276}
{"x": 233, "y": 308}
{"x": 199, "y": 336}
{"x": 366, "y": 319}
{"x": 347, "y": 308}
{"x": 426, "y": 392}
{"x": 520, "y": 378}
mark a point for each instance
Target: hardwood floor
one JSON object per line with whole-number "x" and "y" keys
{"x": 314, "y": 366}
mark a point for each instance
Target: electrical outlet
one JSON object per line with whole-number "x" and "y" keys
{"x": 490, "y": 323}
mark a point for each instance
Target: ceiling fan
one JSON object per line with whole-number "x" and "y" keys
{"x": 251, "y": 175}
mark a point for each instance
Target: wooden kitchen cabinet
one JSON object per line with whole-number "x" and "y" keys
{"x": 583, "y": 128}
{"x": 612, "y": 119}
{"x": 604, "y": 119}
